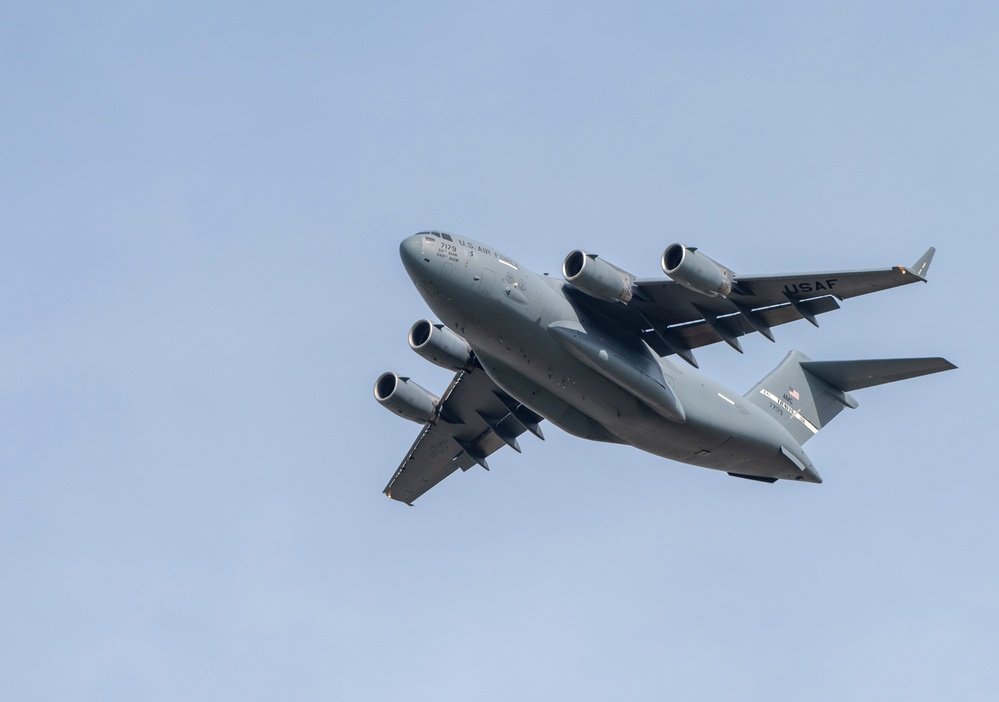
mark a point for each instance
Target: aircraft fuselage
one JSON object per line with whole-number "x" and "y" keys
{"x": 585, "y": 374}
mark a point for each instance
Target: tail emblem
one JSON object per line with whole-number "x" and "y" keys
{"x": 782, "y": 408}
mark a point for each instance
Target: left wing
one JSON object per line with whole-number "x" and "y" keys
{"x": 673, "y": 319}
{"x": 473, "y": 420}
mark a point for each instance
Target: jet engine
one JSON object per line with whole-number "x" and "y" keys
{"x": 594, "y": 276}
{"x": 405, "y": 398}
{"x": 439, "y": 345}
{"x": 692, "y": 269}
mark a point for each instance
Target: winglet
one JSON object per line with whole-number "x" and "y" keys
{"x": 921, "y": 266}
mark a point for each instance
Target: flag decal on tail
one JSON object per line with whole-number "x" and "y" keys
{"x": 782, "y": 407}
{"x": 821, "y": 389}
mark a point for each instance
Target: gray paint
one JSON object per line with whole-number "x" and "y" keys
{"x": 584, "y": 360}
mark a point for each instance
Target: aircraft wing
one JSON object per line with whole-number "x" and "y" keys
{"x": 473, "y": 420}
{"x": 674, "y": 319}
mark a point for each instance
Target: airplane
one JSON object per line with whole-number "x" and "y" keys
{"x": 595, "y": 354}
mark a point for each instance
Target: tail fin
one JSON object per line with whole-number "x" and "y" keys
{"x": 805, "y": 395}
{"x": 922, "y": 266}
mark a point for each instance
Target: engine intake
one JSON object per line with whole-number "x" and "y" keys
{"x": 692, "y": 269}
{"x": 595, "y": 277}
{"x": 439, "y": 345}
{"x": 405, "y": 398}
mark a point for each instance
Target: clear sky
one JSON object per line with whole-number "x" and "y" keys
{"x": 200, "y": 212}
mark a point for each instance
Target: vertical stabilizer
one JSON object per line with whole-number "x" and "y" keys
{"x": 799, "y": 401}
{"x": 805, "y": 395}
{"x": 922, "y": 266}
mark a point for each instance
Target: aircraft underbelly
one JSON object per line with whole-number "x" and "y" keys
{"x": 583, "y": 402}
{"x": 718, "y": 434}
{"x": 510, "y": 335}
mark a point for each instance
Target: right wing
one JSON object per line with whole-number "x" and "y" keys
{"x": 673, "y": 319}
{"x": 473, "y": 420}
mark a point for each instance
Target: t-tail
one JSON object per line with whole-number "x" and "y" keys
{"x": 805, "y": 395}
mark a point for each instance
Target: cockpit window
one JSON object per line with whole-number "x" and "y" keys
{"x": 440, "y": 235}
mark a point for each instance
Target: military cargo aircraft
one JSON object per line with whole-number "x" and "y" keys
{"x": 594, "y": 354}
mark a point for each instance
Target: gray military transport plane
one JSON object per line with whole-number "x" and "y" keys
{"x": 593, "y": 355}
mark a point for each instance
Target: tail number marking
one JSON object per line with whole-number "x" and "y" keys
{"x": 781, "y": 408}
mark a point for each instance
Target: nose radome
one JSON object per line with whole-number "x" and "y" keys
{"x": 411, "y": 249}
{"x": 411, "y": 253}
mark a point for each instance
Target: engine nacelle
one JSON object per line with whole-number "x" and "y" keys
{"x": 692, "y": 269}
{"x": 405, "y": 398}
{"x": 439, "y": 345}
{"x": 594, "y": 276}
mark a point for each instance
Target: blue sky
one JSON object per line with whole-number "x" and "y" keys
{"x": 201, "y": 205}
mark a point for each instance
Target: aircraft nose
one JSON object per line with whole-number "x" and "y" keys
{"x": 411, "y": 252}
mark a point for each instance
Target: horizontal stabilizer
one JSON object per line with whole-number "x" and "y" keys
{"x": 805, "y": 395}
{"x": 856, "y": 375}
